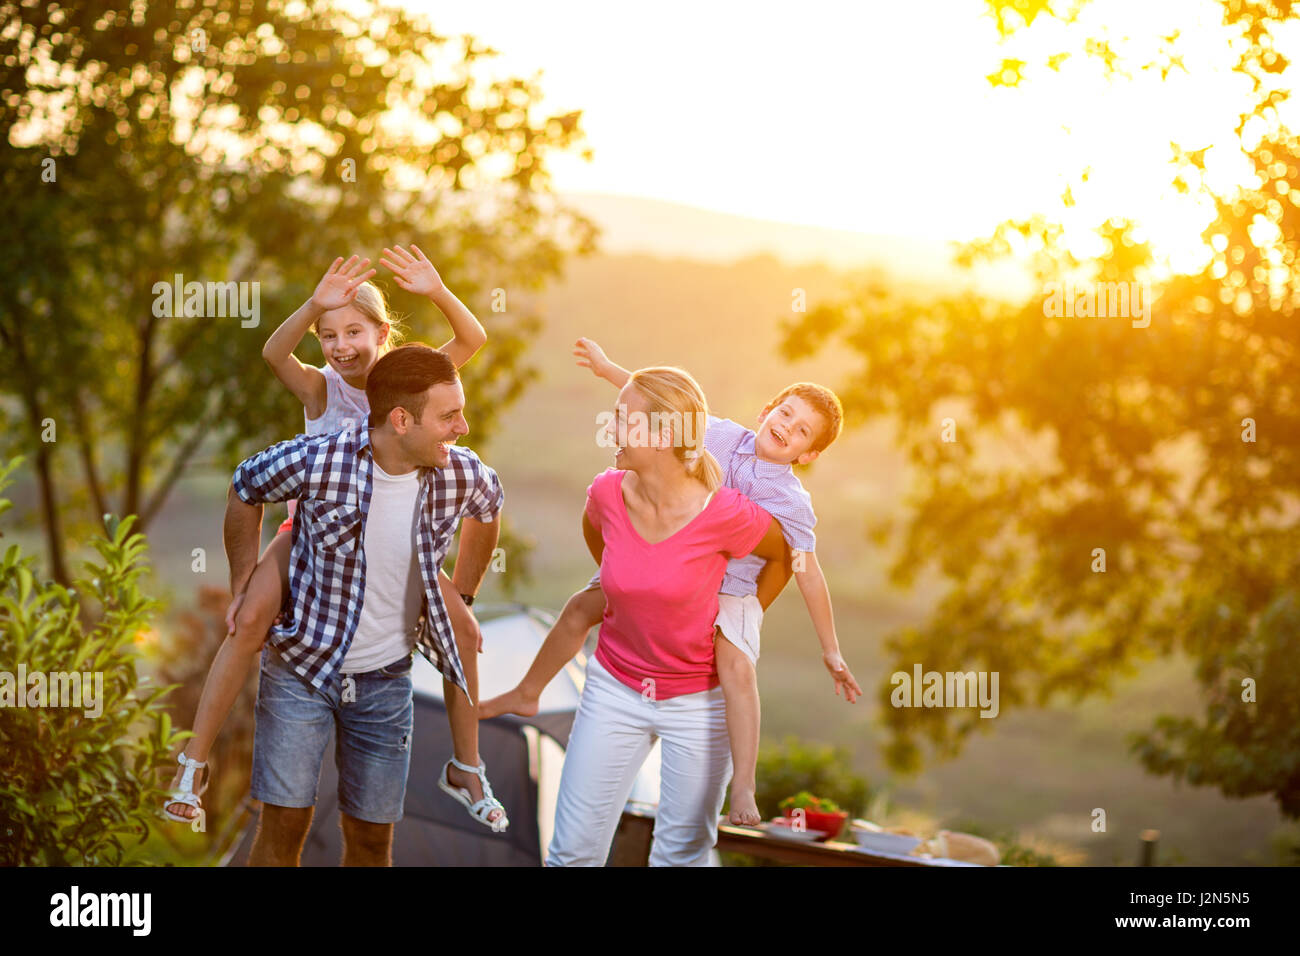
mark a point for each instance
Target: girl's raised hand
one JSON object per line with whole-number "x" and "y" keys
{"x": 339, "y": 287}
{"x": 412, "y": 270}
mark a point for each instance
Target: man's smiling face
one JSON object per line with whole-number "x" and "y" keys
{"x": 428, "y": 442}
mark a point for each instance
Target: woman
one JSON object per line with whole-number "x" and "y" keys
{"x": 662, "y": 528}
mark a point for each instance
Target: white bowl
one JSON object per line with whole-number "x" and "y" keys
{"x": 881, "y": 842}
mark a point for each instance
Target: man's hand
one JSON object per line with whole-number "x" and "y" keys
{"x": 842, "y": 676}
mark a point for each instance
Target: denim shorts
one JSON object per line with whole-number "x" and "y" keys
{"x": 372, "y": 738}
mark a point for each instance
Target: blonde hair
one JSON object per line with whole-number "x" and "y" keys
{"x": 673, "y": 393}
{"x": 370, "y": 302}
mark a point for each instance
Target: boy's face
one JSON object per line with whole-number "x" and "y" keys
{"x": 787, "y": 431}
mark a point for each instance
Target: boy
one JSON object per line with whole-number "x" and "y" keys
{"x": 795, "y": 427}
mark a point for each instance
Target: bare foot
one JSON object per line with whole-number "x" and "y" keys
{"x": 744, "y": 810}
{"x": 463, "y": 778}
{"x": 513, "y": 701}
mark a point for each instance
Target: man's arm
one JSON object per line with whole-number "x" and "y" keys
{"x": 478, "y": 541}
{"x": 241, "y": 534}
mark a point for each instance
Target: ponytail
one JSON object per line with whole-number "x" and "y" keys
{"x": 703, "y": 467}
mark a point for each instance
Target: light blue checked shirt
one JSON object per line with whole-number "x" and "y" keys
{"x": 332, "y": 475}
{"x": 774, "y": 488}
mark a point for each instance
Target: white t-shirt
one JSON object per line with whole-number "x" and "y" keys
{"x": 390, "y": 608}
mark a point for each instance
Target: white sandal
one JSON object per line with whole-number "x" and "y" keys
{"x": 185, "y": 792}
{"x": 478, "y": 810}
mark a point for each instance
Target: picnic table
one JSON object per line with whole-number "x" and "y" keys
{"x": 632, "y": 846}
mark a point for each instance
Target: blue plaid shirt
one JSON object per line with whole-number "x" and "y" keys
{"x": 332, "y": 476}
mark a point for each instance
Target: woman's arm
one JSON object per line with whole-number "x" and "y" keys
{"x": 415, "y": 273}
{"x": 335, "y": 290}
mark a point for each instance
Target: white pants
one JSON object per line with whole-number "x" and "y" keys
{"x": 613, "y": 731}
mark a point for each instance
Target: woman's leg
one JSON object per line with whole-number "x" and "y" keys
{"x": 237, "y": 653}
{"x": 740, "y": 688}
{"x": 608, "y": 744}
{"x": 693, "y": 781}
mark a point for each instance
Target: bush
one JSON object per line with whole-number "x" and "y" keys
{"x": 792, "y": 767}
{"x": 78, "y": 781}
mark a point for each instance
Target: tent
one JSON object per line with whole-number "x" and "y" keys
{"x": 524, "y": 757}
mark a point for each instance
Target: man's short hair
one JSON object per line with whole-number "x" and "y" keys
{"x": 403, "y": 377}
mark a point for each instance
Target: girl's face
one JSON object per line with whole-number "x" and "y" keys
{"x": 350, "y": 342}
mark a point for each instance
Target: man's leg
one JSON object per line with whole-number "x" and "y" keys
{"x": 582, "y": 612}
{"x": 373, "y": 754}
{"x": 293, "y": 722}
{"x": 281, "y": 833}
{"x": 366, "y": 844}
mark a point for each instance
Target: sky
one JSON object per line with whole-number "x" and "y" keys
{"x": 873, "y": 117}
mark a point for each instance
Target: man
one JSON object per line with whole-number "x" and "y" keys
{"x": 378, "y": 506}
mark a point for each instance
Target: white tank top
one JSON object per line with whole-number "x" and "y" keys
{"x": 346, "y": 406}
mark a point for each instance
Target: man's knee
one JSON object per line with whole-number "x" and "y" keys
{"x": 366, "y": 842}
{"x": 281, "y": 833}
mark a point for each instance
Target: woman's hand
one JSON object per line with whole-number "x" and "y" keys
{"x": 414, "y": 273}
{"x": 339, "y": 286}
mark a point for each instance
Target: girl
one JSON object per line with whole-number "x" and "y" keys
{"x": 349, "y": 317}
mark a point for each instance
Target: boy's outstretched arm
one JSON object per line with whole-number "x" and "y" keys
{"x": 817, "y": 596}
{"x": 415, "y": 273}
{"x": 592, "y": 356}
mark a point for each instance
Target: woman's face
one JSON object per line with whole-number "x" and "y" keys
{"x": 634, "y": 446}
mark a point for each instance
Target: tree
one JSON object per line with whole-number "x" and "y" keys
{"x": 1171, "y": 448}
{"x": 247, "y": 142}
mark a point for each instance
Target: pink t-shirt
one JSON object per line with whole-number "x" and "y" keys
{"x": 661, "y": 599}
